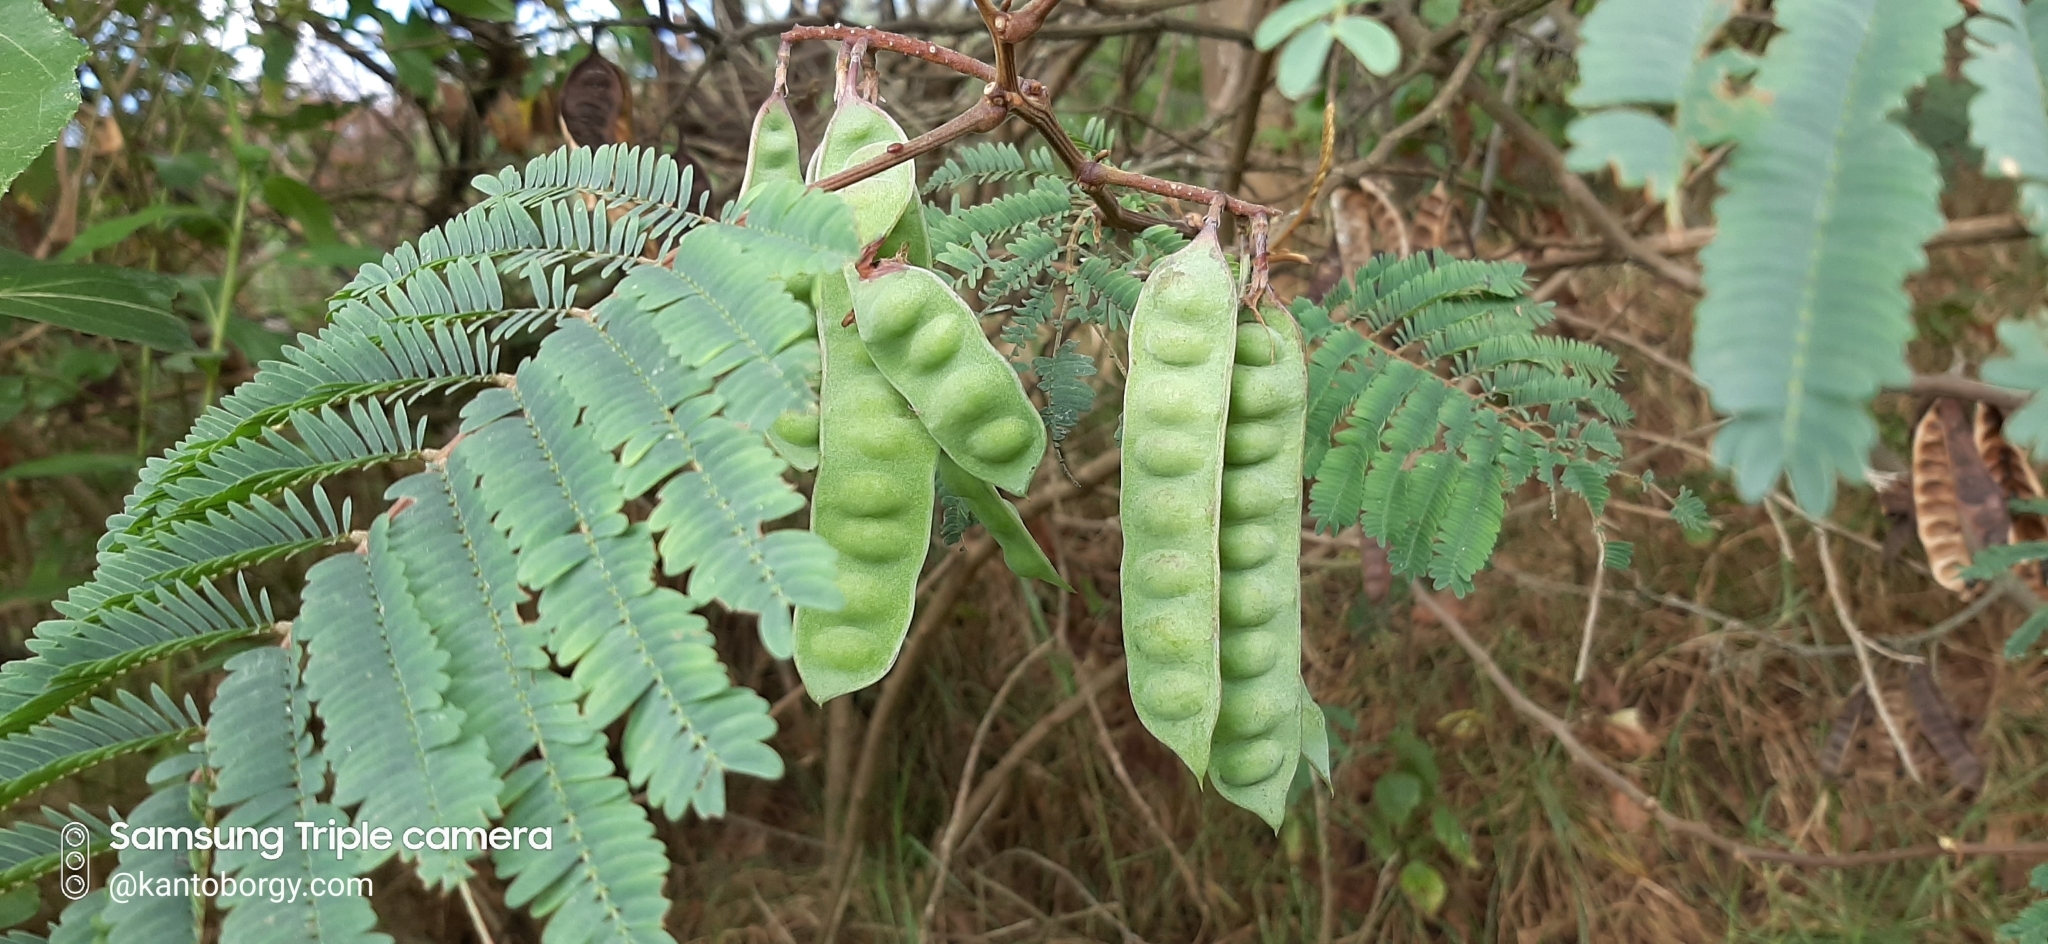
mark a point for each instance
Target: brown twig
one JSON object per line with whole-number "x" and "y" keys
{"x": 1848, "y": 621}
{"x": 1482, "y": 39}
{"x": 1584, "y": 756}
{"x": 985, "y": 115}
{"x": 1604, "y": 219}
{"x": 897, "y": 43}
{"x": 1089, "y": 686}
{"x": 1025, "y": 99}
{"x": 1967, "y": 231}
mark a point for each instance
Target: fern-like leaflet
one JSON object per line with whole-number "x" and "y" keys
{"x": 439, "y": 703}
{"x": 1430, "y": 394}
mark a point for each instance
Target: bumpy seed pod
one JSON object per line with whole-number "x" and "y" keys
{"x": 1182, "y": 339}
{"x": 879, "y": 202}
{"x": 855, "y": 124}
{"x": 1020, "y": 550}
{"x": 1258, "y": 731}
{"x": 858, "y": 132}
{"x": 773, "y": 151}
{"x": 872, "y": 503}
{"x": 926, "y": 340}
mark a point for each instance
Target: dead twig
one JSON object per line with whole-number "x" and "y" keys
{"x": 1848, "y": 621}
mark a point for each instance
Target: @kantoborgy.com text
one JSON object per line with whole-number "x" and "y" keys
{"x": 130, "y": 884}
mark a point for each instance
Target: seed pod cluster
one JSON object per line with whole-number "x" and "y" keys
{"x": 1258, "y": 730}
{"x": 905, "y": 371}
{"x": 1176, "y": 398}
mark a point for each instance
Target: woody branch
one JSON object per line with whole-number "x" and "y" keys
{"x": 1007, "y": 95}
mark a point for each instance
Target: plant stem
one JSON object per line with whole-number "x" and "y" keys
{"x": 216, "y": 343}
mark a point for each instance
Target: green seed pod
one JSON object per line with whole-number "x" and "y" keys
{"x": 1259, "y": 729}
{"x": 1020, "y": 550}
{"x": 794, "y": 435}
{"x": 1315, "y": 734}
{"x": 855, "y": 124}
{"x": 872, "y": 503}
{"x": 929, "y": 344}
{"x": 772, "y": 152}
{"x": 878, "y": 202}
{"x": 860, "y": 131}
{"x": 1175, "y": 401}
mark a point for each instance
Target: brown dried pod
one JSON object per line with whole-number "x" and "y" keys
{"x": 1958, "y": 507}
{"x": 1938, "y": 724}
{"x": 2014, "y": 473}
{"x": 1435, "y": 216}
{"x": 1854, "y": 711}
{"x": 596, "y": 106}
{"x": 1936, "y": 515}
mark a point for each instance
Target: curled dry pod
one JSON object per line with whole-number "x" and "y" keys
{"x": 1182, "y": 336}
{"x": 1257, "y": 743}
{"x": 1021, "y": 552}
{"x": 1836, "y": 750}
{"x": 2014, "y": 473}
{"x": 1937, "y": 512}
{"x": 773, "y": 150}
{"x": 872, "y": 503}
{"x": 927, "y": 341}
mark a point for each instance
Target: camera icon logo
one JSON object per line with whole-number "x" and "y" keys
{"x": 74, "y": 868}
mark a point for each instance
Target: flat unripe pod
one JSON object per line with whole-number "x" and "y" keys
{"x": 1175, "y": 400}
{"x": 927, "y": 341}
